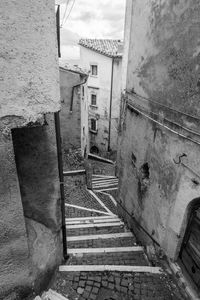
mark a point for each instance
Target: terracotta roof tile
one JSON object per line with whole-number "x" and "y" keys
{"x": 108, "y": 47}
{"x": 74, "y": 69}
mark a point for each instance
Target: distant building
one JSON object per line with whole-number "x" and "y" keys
{"x": 74, "y": 108}
{"x": 104, "y": 59}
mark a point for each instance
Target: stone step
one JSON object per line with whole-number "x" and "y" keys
{"x": 105, "y": 182}
{"x": 103, "y": 250}
{"x": 106, "y": 189}
{"x": 99, "y": 180}
{"x": 102, "y": 176}
{"x": 92, "y": 221}
{"x": 111, "y": 268}
{"x": 98, "y": 243}
{"x": 109, "y": 258}
{"x": 89, "y": 225}
{"x": 89, "y": 218}
{"x": 109, "y": 236}
{"x": 95, "y": 231}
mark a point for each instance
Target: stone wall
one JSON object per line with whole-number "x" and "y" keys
{"x": 70, "y": 120}
{"x": 29, "y": 194}
{"x": 162, "y": 76}
{"x": 116, "y": 97}
{"x": 37, "y": 170}
{"x": 29, "y": 81}
{"x": 14, "y": 253}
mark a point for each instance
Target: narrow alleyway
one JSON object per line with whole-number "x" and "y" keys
{"x": 105, "y": 261}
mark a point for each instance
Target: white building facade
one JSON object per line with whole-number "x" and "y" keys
{"x": 103, "y": 58}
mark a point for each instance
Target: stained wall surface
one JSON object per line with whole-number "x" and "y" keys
{"x": 14, "y": 252}
{"x": 116, "y": 97}
{"x": 37, "y": 169}
{"x": 163, "y": 66}
{"x": 29, "y": 80}
{"x": 29, "y": 189}
{"x": 74, "y": 123}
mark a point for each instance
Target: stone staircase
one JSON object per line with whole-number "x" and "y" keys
{"x": 99, "y": 245}
{"x": 104, "y": 183}
{"x": 105, "y": 261}
{"x": 105, "y": 244}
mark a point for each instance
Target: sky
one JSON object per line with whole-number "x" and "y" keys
{"x": 90, "y": 19}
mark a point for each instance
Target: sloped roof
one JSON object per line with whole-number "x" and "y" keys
{"x": 108, "y": 47}
{"x": 74, "y": 69}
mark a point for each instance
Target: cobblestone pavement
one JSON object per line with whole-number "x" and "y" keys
{"x": 117, "y": 286}
{"x": 105, "y": 198}
{"x": 105, "y": 263}
{"x": 81, "y": 197}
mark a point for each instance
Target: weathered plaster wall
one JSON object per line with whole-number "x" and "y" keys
{"x": 14, "y": 253}
{"x": 116, "y": 98}
{"x": 85, "y": 143}
{"x": 126, "y": 42}
{"x": 164, "y": 52}
{"x": 163, "y": 65}
{"x": 70, "y": 121}
{"x": 29, "y": 80}
{"x": 37, "y": 167}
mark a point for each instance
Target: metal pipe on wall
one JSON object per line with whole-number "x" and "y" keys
{"x": 111, "y": 98}
{"x": 73, "y": 88}
{"x": 61, "y": 177}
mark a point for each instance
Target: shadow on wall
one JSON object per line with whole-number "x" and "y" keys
{"x": 37, "y": 169}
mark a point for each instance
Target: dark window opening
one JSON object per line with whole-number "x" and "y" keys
{"x": 94, "y": 70}
{"x": 93, "y": 124}
{"x": 93, "y": 99}
{"x": 94, "y": 150}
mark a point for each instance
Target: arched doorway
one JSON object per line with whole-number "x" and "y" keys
{"x": 94, "y": 150}
{"x": 190, "y": 249}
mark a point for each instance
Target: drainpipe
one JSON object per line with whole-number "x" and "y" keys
{"x": 73, "y": 88}
{"x": 58, "y": 29}
{"x": 61, "y": 177}
{"x": 111, "y": 96}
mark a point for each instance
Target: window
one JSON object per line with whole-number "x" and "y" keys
{"x": 93, "y": 99}
{"x": 83, "y": 90}
{"x": 94, "y": 124}
{"x": 94, "y": 70}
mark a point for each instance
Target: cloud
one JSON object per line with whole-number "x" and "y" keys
{"x": 97, "y": 19}
{"x": 68, "y": 37}
{"x": 70, "y": 52}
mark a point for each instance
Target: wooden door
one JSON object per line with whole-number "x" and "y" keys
{"x": 190, "y": 252}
